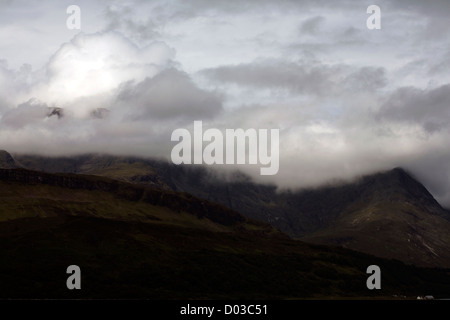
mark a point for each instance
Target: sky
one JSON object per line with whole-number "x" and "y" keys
{"x": 347, "y": 100}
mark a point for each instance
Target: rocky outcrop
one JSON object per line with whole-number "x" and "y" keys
{"x": 131, "y": 192}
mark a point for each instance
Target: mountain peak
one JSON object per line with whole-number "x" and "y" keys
{"x": 400, "y": 170}
{"x": 401, "y": 177}
{"x": 399, "y": 183}
{"x": 7, "y": 161}
{"x": 404, "y": 174}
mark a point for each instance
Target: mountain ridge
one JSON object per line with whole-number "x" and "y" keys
{"x": 132, "y": 241}
{"x": 191, "y": 204}
{"x": 389, "y": 210}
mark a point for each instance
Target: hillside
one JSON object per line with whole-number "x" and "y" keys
{"x": 7, "y": 161}
{"x": 388, "y": 214}
{"x": 395, "y": 217}
{"x": 133, "y": 241}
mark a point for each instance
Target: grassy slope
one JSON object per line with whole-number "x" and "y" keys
{"x": 133, "y": 249}
{"x": 395, "y": 229}
{"x": 387, "y": 214}
{"x": 387, "y": 225}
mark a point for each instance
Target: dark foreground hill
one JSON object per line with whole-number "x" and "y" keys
{"x": 134, "y": 241}
{"x": 388, "y": 214}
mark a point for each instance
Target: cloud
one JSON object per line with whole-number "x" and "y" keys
{"x": 366, "y": 79}
{"x": 347, "y": 100}
{"x": 427, "y": 108}
{"x": 31, "y": 111}
{"x": 299, "y": 77}
{"x": 13, "y": 83}
{"x": 122, "y": 16}
{"x": 171, "y": 94}
{"x": 100, "y": 93}
{"x": 275, "y": 74}
{"x": 311, "y": 25}
{"x": 93, "y": 64}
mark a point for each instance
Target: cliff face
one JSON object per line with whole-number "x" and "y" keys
{"x": 7, "y": 161}
{"x": 126, "y": 191}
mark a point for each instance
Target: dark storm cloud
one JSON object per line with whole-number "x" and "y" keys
{"x": 300, "y": 77}
{"x": 428, "y": 108}
{"x": 311, "y": 25}
{"x": 275, "y": 74}
{"x": 434, "y": 8}
{"x": 169, "y": 95}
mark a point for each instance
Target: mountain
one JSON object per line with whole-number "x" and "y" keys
{"x": 388, "y": 214}
{"x": 394, "y": 216}
{"x": 7, "y": 161}
{"x": 136, "y": 241}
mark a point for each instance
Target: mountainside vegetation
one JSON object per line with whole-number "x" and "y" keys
{"x": 134, "y": 241}
{"x": 388, "y": 214}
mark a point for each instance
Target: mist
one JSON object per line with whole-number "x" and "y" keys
{"x": 347, "y": 100}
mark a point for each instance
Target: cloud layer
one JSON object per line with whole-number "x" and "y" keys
{"x": 347, "y": 100}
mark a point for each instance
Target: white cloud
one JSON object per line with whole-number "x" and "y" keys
{"x": 97, "y": 63}
{"x": 347, "y": 100}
